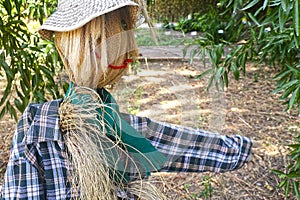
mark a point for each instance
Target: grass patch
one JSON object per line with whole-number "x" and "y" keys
{"x": 165, "y": 38}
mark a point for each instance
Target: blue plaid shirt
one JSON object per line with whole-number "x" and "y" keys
{"x": 38, "y": 164}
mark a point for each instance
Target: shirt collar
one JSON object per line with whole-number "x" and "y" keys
{"x": 42, "y": 123}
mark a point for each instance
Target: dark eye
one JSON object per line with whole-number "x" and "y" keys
{"x": 106, "y": 17}
{"x": 98, "y": 41}
{"x": 124, "y": 25}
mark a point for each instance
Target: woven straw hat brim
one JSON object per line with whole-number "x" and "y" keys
{"x": 71, "y": 15}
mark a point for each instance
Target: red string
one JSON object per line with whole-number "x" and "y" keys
{"x": 126, "y": 62}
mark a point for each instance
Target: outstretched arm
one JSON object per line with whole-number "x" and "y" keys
{"x": 193, "y": 150}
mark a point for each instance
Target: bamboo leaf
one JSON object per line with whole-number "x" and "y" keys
{"x": 219, "y": 73}
{"x": 7, "y": 6}
{"x": 296, "y": 18}
{"x": 294, "y": 98}
{"x": 293, "y": 175}
{"x": 286, "y": 85}
{"x": 7, "y": 69}
{"x": 266, "y": 3}
{"x": 284, "y": 5}
{"x": 282, "y": 183}
{"x": 207, "y": 72}
{"x": 297, "y": 166}
{"x": 6, "y": 93}
{"x": 287, "y": 92}
{"x": 12, "y": 111}
{"x": 252, "y": 17}
{"x": 192, "y": 55}
{"x": 278, "y": 172}
{"x": 294, "y": 146}
{"x": 210, "y": 81}
{"x": 287, "y": 188}
{"x": 18, "y": 104}
{"x": 225, "y": 77}
{"x": 282, "y": 74}
{"x": 3, "y": 111}
{"x": 282, "y": 19}
{"x": 235, "y": 72}
{"x": 296, "y": 189}
{"x": 251, "y": 4}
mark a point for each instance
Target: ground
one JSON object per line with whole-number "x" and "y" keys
{"x": 166, "y": 91}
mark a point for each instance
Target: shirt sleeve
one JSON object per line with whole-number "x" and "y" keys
{"x": 193, "y": 150}
{"x": 22, "y": 179}
{"x": 38, "y": 165}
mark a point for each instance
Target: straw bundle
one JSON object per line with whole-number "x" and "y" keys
{"x": 99, "y": 165}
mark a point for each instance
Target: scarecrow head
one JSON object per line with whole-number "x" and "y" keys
{"x": 94, "y": 38}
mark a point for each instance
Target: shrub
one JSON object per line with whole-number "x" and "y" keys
{"x": 265, "y": 32}
{"x": 28, "y": 63}
{"x": 176, "y": 9}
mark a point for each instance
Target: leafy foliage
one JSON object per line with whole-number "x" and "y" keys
{"x": 264, "y": 32}
{"x": 291, "y": 179}
{"x": 174, "y": 10}
{"x": 198, "y": 22}
{"x": 28, "y": 63}
{"x": 267, "y": 34}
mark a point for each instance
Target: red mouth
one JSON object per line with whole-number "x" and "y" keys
{"x": 126, "y": 62}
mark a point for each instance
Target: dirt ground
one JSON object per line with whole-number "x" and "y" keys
{"x": 165, "y": 91}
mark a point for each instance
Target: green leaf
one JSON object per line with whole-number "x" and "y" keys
{"x": 297, "y": 165}
{"x": 294, "y": 146}
{"x": 295, "y": 155}
{"x": 252, "y": 17}
{"x": 286, "y": 85}
{"x": 251, "y": 4}
{"x": 7, "y": 6}
{"x": 278, "y": 172}
{"x": 192, "y": 55}
{"x": 296, "y": 41}
{"x": 184, "y": 51}
{"x": 7, "y": 69}
{"x": 12, "y": 111}
{"x": 18, "y": 5}
{"x": 296, "y": 189}
{"x": 266, "y": 3}
{"x": 210, "y": 81}
{"x": 207, "y": 72}
{"x": 287, "y": 188}
{"x": 3, "y": 111}
{"x": 235, "y": 72}
{"x": 6, "y": 93}
{"x": 225, "y": 78}
{"x": 294, "y": 98}
{"x": 297, "y": 18}
{"x": 243, "y": 62}
{"x": 18, "y": 104}
{"x": 282, "y": 20}
{"x": 219, "y": 73}
{"x": 284, "y": 5}
{"x": 282, "y": 74}
{"x": 293, "y": 175}
{"x": 46, "y": 71}
{"x": 282, "y": 183}
{"x": 287, "y": 92}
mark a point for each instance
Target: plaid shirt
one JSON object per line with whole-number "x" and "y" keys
{"x": 38, "y": 165}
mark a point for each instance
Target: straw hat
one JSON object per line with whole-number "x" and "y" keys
{"x": 73, "y": 14}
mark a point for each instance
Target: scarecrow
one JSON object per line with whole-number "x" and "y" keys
{"x": 81, "y": 146}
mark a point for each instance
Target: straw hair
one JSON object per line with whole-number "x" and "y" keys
{"x": 95, "y": 159}
{"x": 111, "y": 37}
{"x": 146, "y": 190}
